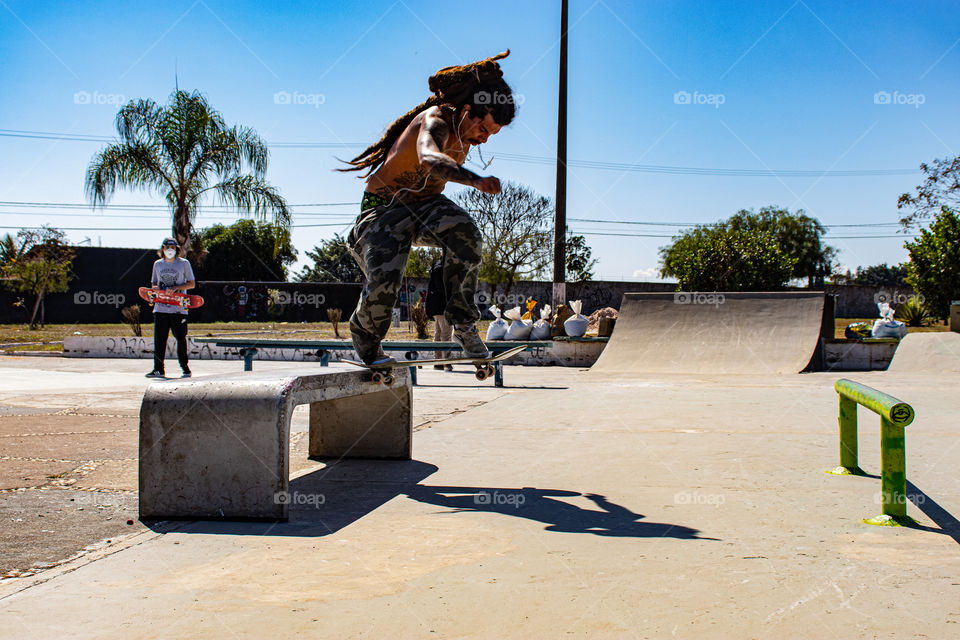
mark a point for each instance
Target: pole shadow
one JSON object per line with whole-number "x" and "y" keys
{"x": 948, "y": 525}
{"x": 325, "y": 501}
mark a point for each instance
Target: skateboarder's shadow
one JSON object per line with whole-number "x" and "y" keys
{"x": 329, "y": 499}
{"x": 554, "y": 507}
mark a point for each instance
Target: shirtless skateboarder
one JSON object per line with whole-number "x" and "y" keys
{"x": 403, "y": 203}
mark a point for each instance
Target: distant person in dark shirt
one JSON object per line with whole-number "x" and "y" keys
{"x": 436, "y": 304}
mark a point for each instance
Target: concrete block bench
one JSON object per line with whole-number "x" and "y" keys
{"x": 218, "y": 446}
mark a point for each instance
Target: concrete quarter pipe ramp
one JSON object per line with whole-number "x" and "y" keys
{"x": 927, "y": 353}
{"x": 714, "y": 333}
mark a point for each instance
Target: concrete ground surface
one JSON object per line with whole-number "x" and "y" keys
{"x": 570, "y": 504}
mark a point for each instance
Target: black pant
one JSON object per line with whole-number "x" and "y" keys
{"x": 164, "y": 324}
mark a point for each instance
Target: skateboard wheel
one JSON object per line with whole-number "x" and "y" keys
{"x": 481, "y": 374}
{"x": 377, "y": 377}
{"x": 490, "y": 370}
{"x": 388, "y": 379}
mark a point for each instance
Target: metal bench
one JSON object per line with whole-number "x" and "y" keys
{"x": 248, "y": 347}
{"x": 218, "y": 446}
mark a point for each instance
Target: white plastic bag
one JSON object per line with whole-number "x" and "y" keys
{"x": 498, "y": 328}
{"x": 541, "y": 328}
{"x": 885, "y": 326}
{"x": 519, "y": 328}
{"x": 576, "y": 325}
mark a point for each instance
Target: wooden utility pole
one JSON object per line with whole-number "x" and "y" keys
{"x": 560, "y": 217}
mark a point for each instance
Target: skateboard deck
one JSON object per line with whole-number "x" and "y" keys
{"x": 484, "y": 365}
{"x": 170, "y": 297}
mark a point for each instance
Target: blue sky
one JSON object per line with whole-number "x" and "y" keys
{"x": 754, "y": 86}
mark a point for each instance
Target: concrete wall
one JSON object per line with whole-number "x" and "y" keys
{"x": 858, "y": 356}
{"x": 563, "y": 353}
{"x": 838, "y": 356}
{"x": 107, "y": 280}
{"x": 595, "y": 295}
{"x": 860, "y": 301}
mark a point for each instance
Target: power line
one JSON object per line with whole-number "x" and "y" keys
{"x": 709, "y": 171}
{"x": 531, "y": 159}
{"x": 346, "y": 218}
{"x": 163, "y": 212}
{"x": 293, "y": 226}
{"x": 652, "y": 235}
{"x": 81, "y": 205}
{"x": 82, "y": 137}
{"x": 713, "y": 224}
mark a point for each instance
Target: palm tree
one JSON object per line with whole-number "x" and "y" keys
{"x": 183, "y": 151}
{"x": 10, "y": 249}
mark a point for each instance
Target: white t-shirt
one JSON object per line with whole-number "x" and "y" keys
{"x": 170, "y": 274}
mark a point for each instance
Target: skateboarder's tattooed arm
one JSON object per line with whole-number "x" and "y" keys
{"x": 433, "y": 135}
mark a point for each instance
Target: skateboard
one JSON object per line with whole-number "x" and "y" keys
{"x": 170, "y": 297}
{"x": 382, "y": 372}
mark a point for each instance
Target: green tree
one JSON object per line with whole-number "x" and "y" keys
{"x": 420, "y": 261}
{"x": 515, "y": 225}
{"x": 722, "y": 258}
{"x": 798, "y": 235}
{"x": 332, "y": 262}
{"x": 881, "y": 275}
{"x": 183, "y": 151}
{"x": 42, "y": 265}
{"x": 580, "y": 262}
{"x": 940, "y": 188}
{"x": 245, "y": 250}
{"x": 934, "y": 267}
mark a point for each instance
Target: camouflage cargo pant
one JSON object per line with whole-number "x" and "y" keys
{"x": 380, "y": 242}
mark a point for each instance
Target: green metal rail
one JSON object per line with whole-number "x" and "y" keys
{"x": 894, "y": 416}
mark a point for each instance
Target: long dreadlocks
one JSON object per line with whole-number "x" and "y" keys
{"x": 478, "y": 84}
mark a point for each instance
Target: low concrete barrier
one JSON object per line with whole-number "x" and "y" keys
{"x": 564, "y": 352}
{"x": 217, "y": 447}
{"x": 873, "y": 354}
{"x": 894, "y": 416}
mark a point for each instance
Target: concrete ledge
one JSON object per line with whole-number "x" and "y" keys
{"x": 217, "y": 447}
{"x": 133, "y": 347}
{"x": 565, "y": 352}
{"x": 856, "y": 355}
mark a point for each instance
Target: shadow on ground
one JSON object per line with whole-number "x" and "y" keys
{"x": 948, "y": 525}
{"x": 327, "y": 500}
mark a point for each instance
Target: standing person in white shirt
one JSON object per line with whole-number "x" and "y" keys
{"x": 171, "y": 273}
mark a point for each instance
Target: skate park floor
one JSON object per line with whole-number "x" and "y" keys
{"x": 567, "y": 504}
